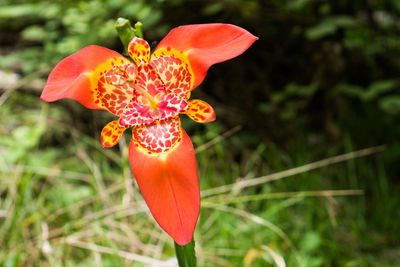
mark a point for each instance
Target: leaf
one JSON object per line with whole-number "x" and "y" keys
{"x": 66, "y": 195}
{"x": 310, "y": 242}
{"x": 378, "y": 88}
{"x": 300, "y": 90}
{"x": 329, "y": 26}
{"x": 297, "y": 5}
{"x": 34, "y": 33}
{"x": 251, "y": 255}
{"x": 373, "y": 91}
{"x": 390, "y": 104}
{"x": 278, "y": 259}
{"x": 212, "y": 9}
{"x": 349, "y": 90}
{"x": 16, "y": 11}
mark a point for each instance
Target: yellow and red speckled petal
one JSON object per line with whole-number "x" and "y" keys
{"x": 111, "y": 134}
{"x": 116, "y": 88}
{"x": 137, "y": 114}
{"x": 148, "y": 104}
{"x": 139, "y": 50}
{"x": 77, "y": 76}
{"x": 170, "y": 186}
{"x": 175, "y": 74}
{"x": 158, "y": 137}
{"x": 203, "y": 45}
{"x": 200, "y": 111}
{"x": 171, "y": 105}
{"x": 148, "y": 84}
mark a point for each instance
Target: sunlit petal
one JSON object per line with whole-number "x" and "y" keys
{"x": 169, "y": 184}
{"x": 203, "y": 45}
{"x": 77, "y": 76}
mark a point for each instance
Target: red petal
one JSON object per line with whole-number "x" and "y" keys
{"x": 77, "y": 76}
{"x": 169, "y": 184}
{"x": 204, "y": 45}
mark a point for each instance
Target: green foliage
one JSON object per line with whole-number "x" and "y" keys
{"x": 390, "y": 104}
{"x": 55, "y": 29}
{"x": 328, "y": 26}
{"x": 64, "y": 202}
{"x": 125, "y": 31}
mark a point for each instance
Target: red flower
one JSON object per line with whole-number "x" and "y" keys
{"x": 148, "y": 96}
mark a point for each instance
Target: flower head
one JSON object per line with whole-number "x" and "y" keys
{"x": 148, "y": 95}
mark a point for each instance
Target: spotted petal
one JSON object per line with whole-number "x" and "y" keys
{"x": 77, "y": 77}
{"x": 158, "y": 137}
{"x": 169, "y": 184}
{"x": 200, "y": 111}
{"x": 203, "y": 45}
{"x": 111, "y": 134}
{"x": 149, "y": 90}
{"x": 175, "y": 74}
{"x": 116, "y": 88}
{"x": 148, "y": 84}
{"x": 139, "y": 50}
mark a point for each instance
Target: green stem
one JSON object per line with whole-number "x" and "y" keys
{"x": 138, "y": 29}
{"x": 126, "y": 32}
{"x": 186, "y": 254}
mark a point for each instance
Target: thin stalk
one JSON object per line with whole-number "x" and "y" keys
{"x": 138, "y": 29}
{"x": 186, "y": 254}
{"x": 126, "y": 32}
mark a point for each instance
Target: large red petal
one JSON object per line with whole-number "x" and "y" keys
{"x": 169, "y": 184}
{"x": 204, "y": 45}
{"x": 77, "y": 76}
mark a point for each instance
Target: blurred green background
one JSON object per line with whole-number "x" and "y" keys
{"x": 321, "y": 81}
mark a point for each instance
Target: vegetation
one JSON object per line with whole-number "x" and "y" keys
{"x": 321, "y": 81}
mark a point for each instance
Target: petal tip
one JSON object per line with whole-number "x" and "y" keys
{"x": 43, "y": 98}
{"x": 200, "y": 111}
{"x": 204, "y": 45}
{"x": 111, "y": 134}
{"x": 184, "y": 240}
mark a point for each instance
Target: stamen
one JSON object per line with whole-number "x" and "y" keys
{"x": 122, "y": 70}
{"x": 152, "y": 101}
{"x": 126, "y": 76}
